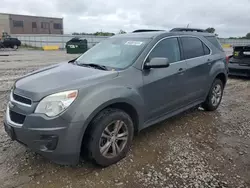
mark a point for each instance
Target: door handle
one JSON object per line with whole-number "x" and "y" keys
{"x": 209, "y": 61}
{"x": 181, "y": 71}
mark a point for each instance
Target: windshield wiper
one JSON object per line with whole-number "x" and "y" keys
{"x": 101, "y": 67}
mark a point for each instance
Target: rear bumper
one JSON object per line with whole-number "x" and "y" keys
{"x": 239, "y": 70}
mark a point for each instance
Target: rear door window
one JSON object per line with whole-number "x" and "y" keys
{"x": 214, "y": 41}
{"x": 193, "y": 47}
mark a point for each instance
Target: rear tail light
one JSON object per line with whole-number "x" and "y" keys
{"x": 228, "y": 58}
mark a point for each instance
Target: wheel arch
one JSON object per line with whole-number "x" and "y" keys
{"x": 218, "y": 75}
{"x": 222, "y": 77}
{"x": 122, "y": 105}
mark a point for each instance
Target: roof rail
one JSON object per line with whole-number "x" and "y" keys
{"x": 188, "y": 30}
{"x": 145, "y": 30}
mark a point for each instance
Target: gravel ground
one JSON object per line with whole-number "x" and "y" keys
{"x": 194, "y": 149}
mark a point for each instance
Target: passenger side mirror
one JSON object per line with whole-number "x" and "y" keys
{"x": 157, "y": 62}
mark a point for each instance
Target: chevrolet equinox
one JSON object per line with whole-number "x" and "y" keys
{"x": 95, "y": 103}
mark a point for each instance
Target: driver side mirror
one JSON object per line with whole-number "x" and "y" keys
{"x": 157, "y": 62}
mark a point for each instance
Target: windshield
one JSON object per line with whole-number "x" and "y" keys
{"x": 117, "y": 53}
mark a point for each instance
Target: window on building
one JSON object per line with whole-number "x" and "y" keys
{"x": 45, "y": 25}
{"x": 192, "y": 47}
{"x": 57, "y": 26}
{"x": 17, "y": 23}
{"x": 34, "y": 25}
{"x": 168, "y": 48}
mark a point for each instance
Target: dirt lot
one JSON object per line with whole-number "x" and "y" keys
{"x": 194, "y": 149}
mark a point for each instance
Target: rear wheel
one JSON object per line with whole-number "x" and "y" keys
{"x": 110, "y": 137}
{"x": 214, "y": 97}
{"x": 15, "y": 47}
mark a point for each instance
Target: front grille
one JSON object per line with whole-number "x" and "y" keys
{"x": 16, "y": 117}
{"x": 21, "y": 99}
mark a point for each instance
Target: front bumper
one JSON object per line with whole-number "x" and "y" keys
{"x": 239, "y": 70}
{"x": 55, "y": 139}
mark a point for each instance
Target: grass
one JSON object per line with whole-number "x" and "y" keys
{"x": 31, "y": 47}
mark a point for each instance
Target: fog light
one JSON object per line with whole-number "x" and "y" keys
{"x": 49, "y": 142}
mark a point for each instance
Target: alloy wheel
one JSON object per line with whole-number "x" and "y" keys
{"x": 113, "y": 139}
{"x": 216, "y": 95}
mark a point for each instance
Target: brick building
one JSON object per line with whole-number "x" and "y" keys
{"x": 24, "y": 24}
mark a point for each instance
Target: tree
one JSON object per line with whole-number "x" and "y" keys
{"x": 96, "y": 33}
{"x": 210, "y": 30}
{"x": 248, "y": 36}
{"x": 122, "y": 32}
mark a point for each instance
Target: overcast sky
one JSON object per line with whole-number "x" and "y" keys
{"x": 228, "y": 17}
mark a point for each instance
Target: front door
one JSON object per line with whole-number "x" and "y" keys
{"x": 163, "y": 88}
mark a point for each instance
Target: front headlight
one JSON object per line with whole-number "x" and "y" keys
{"x": 55, "y": 104}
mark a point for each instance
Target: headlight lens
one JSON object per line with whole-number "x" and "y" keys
{"x": 55, "y": 104}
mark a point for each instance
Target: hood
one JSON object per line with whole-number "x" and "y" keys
{"x": 60, "y": 77}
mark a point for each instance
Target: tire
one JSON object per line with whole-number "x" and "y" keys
{"x": 15, "y": 47}
{"x": 213, "y": 100}
{"x": 104, "y": 140}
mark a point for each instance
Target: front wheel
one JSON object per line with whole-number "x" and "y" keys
{"x": 110, "y": 137}
{"x": 214, "y": 97}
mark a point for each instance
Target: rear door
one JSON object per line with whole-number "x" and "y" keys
{"x": 197, "y": 57}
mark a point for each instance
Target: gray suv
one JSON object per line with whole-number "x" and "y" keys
{"x": 96, "y": 103}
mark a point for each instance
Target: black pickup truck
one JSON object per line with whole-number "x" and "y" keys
{"x": 10, "y": 42}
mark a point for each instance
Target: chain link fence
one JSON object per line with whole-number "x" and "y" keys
{"x": 55, "y": 40}
{"x": 235, "y": 42}
{"x": 60, "y": 40}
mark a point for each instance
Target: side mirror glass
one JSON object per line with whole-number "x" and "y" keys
{"x": 157, "y": 62}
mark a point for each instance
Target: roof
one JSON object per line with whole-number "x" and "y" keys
{"x": 141, "y": 34}
{"x": 146, "y": 30}
{"x": 154, "y": 34}
{"x": 30, "y": 16}
{"x": 182, "y": 29}
{"x": 193, "y": 33}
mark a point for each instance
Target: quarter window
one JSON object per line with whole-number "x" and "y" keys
{"x": 193, "y": 47}
{"x": 215, "y": 42}
{"x": 206, "y": 49}
{"x": 167, "y": 48}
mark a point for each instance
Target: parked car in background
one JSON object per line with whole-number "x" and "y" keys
{"x": 10, "y": 42}
{"x": 239, "y": 62}
{"x": 95, "y": 103}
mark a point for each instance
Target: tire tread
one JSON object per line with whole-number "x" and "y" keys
{"x": 94, "y": 126}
